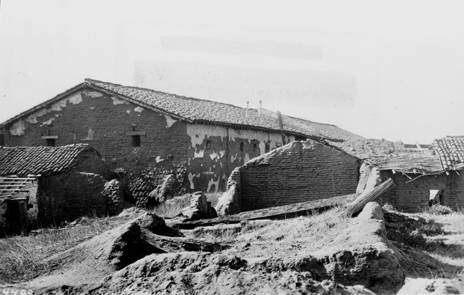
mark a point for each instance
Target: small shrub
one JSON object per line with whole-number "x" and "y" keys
{"x": 440, "y": 210}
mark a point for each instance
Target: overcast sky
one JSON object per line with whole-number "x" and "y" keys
{"x": 390, "y": 69}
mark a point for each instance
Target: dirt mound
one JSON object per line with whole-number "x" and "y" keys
{"x": 156, "y": 225}
{"x": 199, "y": 273}
{"x": 91, "y": 260}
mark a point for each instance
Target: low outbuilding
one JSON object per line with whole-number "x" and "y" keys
{"x": 422, "y": 178}
{"x": 43, "y": 185}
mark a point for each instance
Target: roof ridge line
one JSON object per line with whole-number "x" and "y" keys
{"x": 169, "y": 93}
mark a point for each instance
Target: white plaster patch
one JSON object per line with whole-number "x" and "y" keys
{"x": 138, "y": 109}
{"x": 199, "y": 154}
{"x": 222, "y": 153}
{"x": 169, "y": 121}
{"x": 158, "y": 159}
{"x": 94, "y": 94}
{"x": 32, "y": 118}
{"x": 190, "y": 178}
{"x": 199, "y": 132}
{"x": 58, "y": 106}
{"x": 92, "y": 108}
{"x": 48, "y": 122}
{"x": 90, "y": 134}
{"x": 117, "y": 101}
{"x": 247, "y": 158}
{"x": 213, "y": 155}
{"x": 18, "y": 128}
{"x": 275, "y": 139}
{"x": 233, "y": 158}
{"x": 211, "y": 182}
{"x": 75, "y": 99}
{"x": 128, "y": 112}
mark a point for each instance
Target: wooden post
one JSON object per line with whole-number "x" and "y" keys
{"x": 368, "y": 196}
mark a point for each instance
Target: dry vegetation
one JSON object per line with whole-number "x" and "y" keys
{"x": 21, "y": 256}
{"x": 290, "y": 237}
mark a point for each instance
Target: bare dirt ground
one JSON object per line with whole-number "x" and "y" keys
{"x": 321, "y": 254}
{"x": 439, "y": 257}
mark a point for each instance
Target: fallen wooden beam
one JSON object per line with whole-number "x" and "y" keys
{"x": 279, "y": 212}
{"x": 368, "y": 196}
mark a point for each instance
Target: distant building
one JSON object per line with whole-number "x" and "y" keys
{"x": 421, "y": 178}
{"x": 141, "y": 129}
{"x": 43, "y": 185}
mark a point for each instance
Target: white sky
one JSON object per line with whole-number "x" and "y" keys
{"x": 390, "y": 69}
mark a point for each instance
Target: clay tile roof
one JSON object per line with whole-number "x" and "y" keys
{"x": 39, "y": 160}
{"x": 450, "y": 149}
{"x": 410, "y": 162}
{"x": 212, "y": 112}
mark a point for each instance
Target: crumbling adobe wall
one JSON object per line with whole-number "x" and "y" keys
{"x": 215, "y": 151}
{"x": 413, "y": 196}
{"x": 455, "y": 199}
{"x": 67, "y": 196}
{"x": 297, "y": 172}
{"x": 208, "y": 152}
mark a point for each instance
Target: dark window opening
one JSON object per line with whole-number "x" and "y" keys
{"x": 267, "y": 147}
{"x": 51, "y": 141}
{"x": 208, "y": 144}
{"x": 300, "y": 138}
{"x": 2, "y": 139}
{"x": 255, "y": 148}
{"x": 242, "y": 146}
{"x": 135, "y": 140}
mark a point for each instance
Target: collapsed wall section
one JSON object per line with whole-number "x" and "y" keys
{"x": 297, "y": 172}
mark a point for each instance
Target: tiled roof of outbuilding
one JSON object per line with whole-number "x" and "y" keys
{"x": 450, "y": 149}
{"x": 410, "y": 162}
{"x": 212, "y": 112}
{"x": 43, "y": 160}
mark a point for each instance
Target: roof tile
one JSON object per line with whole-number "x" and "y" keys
{"x": 44, "y": 160}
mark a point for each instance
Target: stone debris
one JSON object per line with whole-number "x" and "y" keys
{"x": 114, "y": 195}
{"x": 166, "y": 190}
{"x": 199, "y": 208}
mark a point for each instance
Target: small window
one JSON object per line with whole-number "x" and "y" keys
{"x": 51, "y": 141}
{"x": 242, "y": 146}
{"x": 2, "y": 139}
{"x": 255, "y": 148}
{"x": 208, "y": 144}
{"x": 267, "y": 147}
{"x": 135, "y": 140}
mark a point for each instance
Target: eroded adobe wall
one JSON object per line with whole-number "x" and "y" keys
{"x": 300, "y": 171}
{"x": 67, "y": 196}
{"x": 456, "y": 199}
{"x": 411, "y": 194}
{"x": 214, "y": 151}
{"x": 208, "y": 153}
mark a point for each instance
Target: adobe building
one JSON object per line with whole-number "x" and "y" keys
{"x": 43, "y": 185}
{"x": 297, "y": 172}
{"x": 150, "y": 132}
{"x": 422, "y": 179}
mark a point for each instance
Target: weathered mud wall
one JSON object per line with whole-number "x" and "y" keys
{"x": 297, "y": 172}
{"x": 65, "y": 197}
{"x": 412, "y": 193}
{"x": 208, "y": 152}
